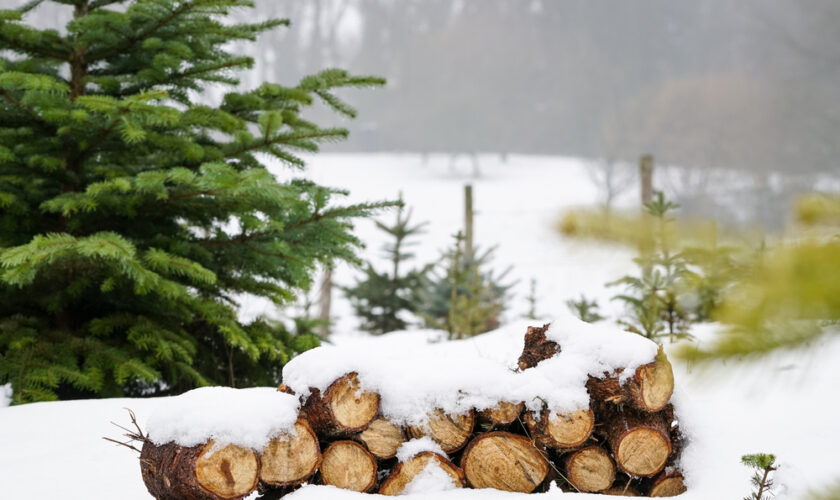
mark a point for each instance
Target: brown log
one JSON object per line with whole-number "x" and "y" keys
{"x": 341, "y": 410}
{"x": 640, "y": 442}
{"x": 173, "y": 472}
{"x": 667, "y": 484}
{"x": 557, "y": 431}
{"x": 589, "y": 469}
{"x": 451, "y": 432}
{"x": 406, "y": 471}
{"x": 537, "y": 347}
{"x": 504, "y": 461}
{"x": 382, "y": 438}
{"x": 622, "y": 491}
{"x": 348, "y": 465}
{"x": 503, "y": 414}
{"x": 649, "y": 389}
{"x": 291, "y": 459}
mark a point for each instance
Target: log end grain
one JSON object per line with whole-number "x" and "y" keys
{"x": 667, "y": 485}
{"x": 348, "y": 465}
{"x": 656, "y": 383}
{"x": 642, "y": 451}
{"x": 504, "y": 461}
{"x": 559, "y": 431}
{"x": 291, "y": 459}
{"x": 503, "y": 414}
{"x": 351, "y": 408}
{"x": 382, "y": 438}
{"x": 230, "y": 472}
{"x": 590, "y": 469}
{"x": 408, "y": 470}
{"x": 451, "y": 432}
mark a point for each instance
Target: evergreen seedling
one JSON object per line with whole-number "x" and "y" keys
{"x": 763, "y": 465}
{"x": 585, "y": 309}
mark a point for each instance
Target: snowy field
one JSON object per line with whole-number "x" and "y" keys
{"x": 783, "y": 405}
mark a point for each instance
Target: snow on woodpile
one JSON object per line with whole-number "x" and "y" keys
{"x": 249, "y": 418}
{"x": 474, "y": 373}
{"x": 416, "y": 446}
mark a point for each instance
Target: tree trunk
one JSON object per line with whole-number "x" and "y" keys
{"x": 348, "y": 465}
{"x": 505, "y": 413}
{"x": 640, "y": 442}
{"x": 173, "y": 472}
{"x": 589, "y": 469}
{"x": 560, "y": 431}
{"x": 291, "y": 459}
{"x": 504, "y": 461}
{"x": 406, "y": 471}
{"x": 382, "y": 438}
{"x": 451, "y": 432}
{"x": 340, "y": 411}
{"x": 537, "y": 347}
{"x": 667, "y": 484}
{"x": 649, "y": 389}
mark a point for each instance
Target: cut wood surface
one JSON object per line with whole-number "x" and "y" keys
{"x": 200, "y": 472}
{"x": 640, "y": 442}
{"x": 503, "y": 414}
{"x": 537, "y": 347}
{"x": 504, "y": 461}
{"x": 342, "y": 409}
{"x": 348, "y": 465}
{"x": 291, "y": 459}
{"x": 406, "y": 471}
{"x": 649, "y": 389}
{"x": 589, "y": 469}
{"x": 621, "y": 491}
{"x": 451, "y": 432}
{"x": 667, "y": 484}
{"x": 382, "y": 438}
{"x": 553, "y": 430}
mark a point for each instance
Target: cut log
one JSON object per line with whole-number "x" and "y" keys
{"x": 451, "y": 432}
{"x": 382, "y": 438}
{"x": 342, "y": 409}
{"x": 621, "y": 491}
{"x": 640, "y": 442}
{"x": 537, "y": 347}
{"x": 200, "y": 472}
{"x": 667, "y": 484}
{"x": 556, "y": 431}
{"x": 504, "y": 461}
{"x": 589, "y": 469}
{"x": 406, "y": 471}
{"x": 348, "y": 465}
{"x": 291, "y": 459}
{"x": 649, "y": 389}
{"x": 505, "y": 413}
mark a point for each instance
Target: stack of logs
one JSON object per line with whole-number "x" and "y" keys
{"x": 626, "y": 444}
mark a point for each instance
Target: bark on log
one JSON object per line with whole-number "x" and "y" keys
{"x": 504, "y": 461}
{"x": 667, "y": 484}
{"x": 348, "y": 465}
{"x": 173, "y": 472}
{"x": 556, "y": 431}
{"x": 640, "y": 442}
{"x": 451, "y": 432}
{"x": 589, "y": 469}
{"x": 537, "y": 347}
{"x": 505, "y": 413}
{"x": 291, "y": 459}
{"x": 406, "y": 471}
{"x": 649, "y": 389}
{"x": 341, "y": 411}
{"x": 382, "y": 438}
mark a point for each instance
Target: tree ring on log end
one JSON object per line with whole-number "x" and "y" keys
{"x": 450, "y": 432}
{"x": 571, "y": 430}
{"x": 590, "y": 469}
{"x": 670, "y": 486}
{"x": 350, "y": 407}
{"x": 348, "y": 465}
{"x": 230, "y": 472}
{"x": 505, "y": 413}
{"x": 504, "y": 461}
{"x": 292, "y": 458}
{"x": 657, "y": 384}
{"x": 406, "y": 471}
{"x": 642, "y": 451}
{"x": 382, "y": 438}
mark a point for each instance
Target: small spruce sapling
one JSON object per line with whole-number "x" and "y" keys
{"x": 585, "y": 309}
{"x": 763, "y": 464}
{"x": 381, "y": 299}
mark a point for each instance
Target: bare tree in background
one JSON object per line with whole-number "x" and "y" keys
{"x": 611, "y": 178}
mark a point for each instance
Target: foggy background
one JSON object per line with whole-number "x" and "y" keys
{"x": 751, "y": 86}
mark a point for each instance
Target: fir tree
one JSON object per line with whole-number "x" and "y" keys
{"x": 383, "y": 299}
{"x": 134, "y": 215}
{"x": 585, "y": 309}
{"x": 763, "y": 465}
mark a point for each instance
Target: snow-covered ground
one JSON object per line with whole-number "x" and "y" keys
{"x": 784, "y": 405}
